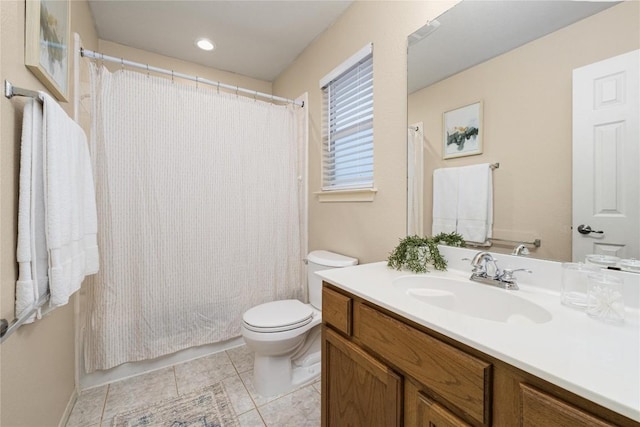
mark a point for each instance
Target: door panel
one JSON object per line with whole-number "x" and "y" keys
{"x": 606, "y": 155}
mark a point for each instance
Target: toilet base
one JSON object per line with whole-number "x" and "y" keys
{"x": 280, "y": 374}
{"x": 270, "y": 379}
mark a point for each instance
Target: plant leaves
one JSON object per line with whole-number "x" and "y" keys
{"x": 415, "y": 253}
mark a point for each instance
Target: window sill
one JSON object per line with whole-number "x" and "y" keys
{"x": 356, "y": 195}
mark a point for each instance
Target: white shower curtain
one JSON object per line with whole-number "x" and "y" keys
{"x": 199, "y": 214}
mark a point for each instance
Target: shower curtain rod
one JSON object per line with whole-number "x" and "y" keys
{"x": 124, "y": 62}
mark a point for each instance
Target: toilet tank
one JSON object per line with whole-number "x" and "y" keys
{"x": 323, "y": 260}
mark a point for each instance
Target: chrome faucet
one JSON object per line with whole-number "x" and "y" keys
{"x": 479, "y": 264}
{"x": 500, "y": 278}
{"x": 520, "y": 250}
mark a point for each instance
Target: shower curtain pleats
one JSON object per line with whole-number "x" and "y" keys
{"x": 199, "y": 215}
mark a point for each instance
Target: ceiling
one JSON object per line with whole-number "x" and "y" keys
{"x": 475, "y": 30}
{"x": 258, "y": 39}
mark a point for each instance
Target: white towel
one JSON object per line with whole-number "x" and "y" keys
{"x": 445, "y": 200}
{"x": 475, "y": 203}
{"x": 70, "y": 204}
{"x": 31, "y": 251}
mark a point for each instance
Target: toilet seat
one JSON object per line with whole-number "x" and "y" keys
{"x": 277, "y": 316}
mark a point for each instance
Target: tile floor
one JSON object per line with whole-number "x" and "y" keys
{"x": 97, "y": 407}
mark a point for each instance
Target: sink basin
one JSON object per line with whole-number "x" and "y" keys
{"x": 472, "y": 299}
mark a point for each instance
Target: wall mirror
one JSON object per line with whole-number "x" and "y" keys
{"x": 517, "y": 59}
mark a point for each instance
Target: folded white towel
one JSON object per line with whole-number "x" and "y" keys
{"x": 475, "y": 203}
{"x": 71, "y": 220}
{"x": 445, "y": 200}
{"x": 31, "y": 250}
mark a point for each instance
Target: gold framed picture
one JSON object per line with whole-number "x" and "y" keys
{"x": 47, "y": 44}
{"x": 462, "y": 129}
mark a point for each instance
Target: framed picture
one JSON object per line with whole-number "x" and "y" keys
{"x": 462, "y": 129}
{"x": 47, "y": 44}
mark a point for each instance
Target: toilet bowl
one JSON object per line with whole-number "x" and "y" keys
{"x": 285, "y": 335}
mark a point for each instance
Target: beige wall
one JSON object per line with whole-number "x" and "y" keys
{"x": 166, "y": 62}
{"x": 366, "y": 230}
{"x": 527, "y": 124}
{"x": 37, "y": 361}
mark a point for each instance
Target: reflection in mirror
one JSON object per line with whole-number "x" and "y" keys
{"x": 517, "y": 58}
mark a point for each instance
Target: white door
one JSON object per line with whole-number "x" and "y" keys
{"x": 606, "y": 158}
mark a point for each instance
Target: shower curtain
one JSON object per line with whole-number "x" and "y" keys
{"x": 199, "y": 214}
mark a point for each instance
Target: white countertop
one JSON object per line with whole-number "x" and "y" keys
{"x": 593, "y": 359}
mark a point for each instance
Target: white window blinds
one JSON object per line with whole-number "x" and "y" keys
{"x": 348, "y": 125}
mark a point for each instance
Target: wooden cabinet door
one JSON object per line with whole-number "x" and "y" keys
{"x": 422, "y": 411}
{"x": 431, "y": 414}
{"x": 357, "y": 390}
{"x": 541, "y": 409}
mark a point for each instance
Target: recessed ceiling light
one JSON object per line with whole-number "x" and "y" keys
{"x": 205, "y": 44}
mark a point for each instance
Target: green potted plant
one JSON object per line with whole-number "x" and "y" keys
{"x": 415, "y": 253}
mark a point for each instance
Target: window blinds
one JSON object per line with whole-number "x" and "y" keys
{"x": 348, "y": 128}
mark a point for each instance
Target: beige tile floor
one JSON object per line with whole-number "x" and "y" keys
{"x": 97, "y": 407}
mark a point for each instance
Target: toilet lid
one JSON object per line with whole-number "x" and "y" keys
{"x": 277, "y": 316}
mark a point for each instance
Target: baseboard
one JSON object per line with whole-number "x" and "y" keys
{"x": 67, "y": 411}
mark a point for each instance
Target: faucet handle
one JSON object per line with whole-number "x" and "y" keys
{"x": 478, "y": 269}
{"x": 507, "y": 274}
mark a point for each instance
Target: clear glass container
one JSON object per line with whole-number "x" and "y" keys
{"x": 632, "y": 265}
{"x": 602, "y": 260}
{"x": 574, "y": 284}
{"x": 605, "y": 299}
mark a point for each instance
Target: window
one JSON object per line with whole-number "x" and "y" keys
{"x": 347, "y": 161}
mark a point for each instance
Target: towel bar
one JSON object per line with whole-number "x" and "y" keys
{"x": 10, "y": 91}
{"x": 7, "y": 328}
{"x": 537, "y": 242}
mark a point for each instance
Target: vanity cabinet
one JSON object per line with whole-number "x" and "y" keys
{"x": 380, "y": 369}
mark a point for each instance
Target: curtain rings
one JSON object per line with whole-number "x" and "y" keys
{"x": 218, "y": 88}
{"x": 172, "y": 81}
{"x": 122, "y": 63}
{"x": 255, "y": 96}
{"x": 147, "y": 70}
{"x": 196, "y": 82}
{"x": 237, "y": 90}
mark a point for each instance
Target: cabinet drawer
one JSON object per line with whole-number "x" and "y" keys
{"x": 336, "y": 310}
{"x": 461, "y": 379}
{"x": 541, "y": 409}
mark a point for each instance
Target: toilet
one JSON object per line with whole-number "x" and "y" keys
{"x": 285, "y": 334}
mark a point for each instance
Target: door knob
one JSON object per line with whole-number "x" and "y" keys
{"x": 586, "y": 229}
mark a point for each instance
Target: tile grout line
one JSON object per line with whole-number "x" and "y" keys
{"x": 175, "y": 379}
{"x": 280, "y": 397}
{"x": 255, "y": 406}
{"x": 104, "y": 404}
{"x": 261, "y": 417}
